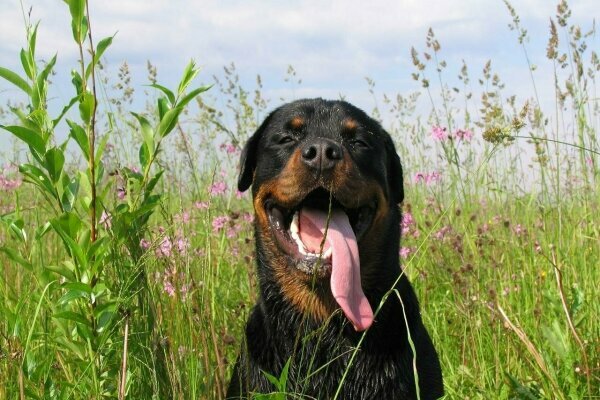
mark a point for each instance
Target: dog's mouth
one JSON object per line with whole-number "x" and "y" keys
{"x": 321, "y": 235}
{"x": 287, "y": 223}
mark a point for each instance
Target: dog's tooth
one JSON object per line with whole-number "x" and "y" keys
{"x": 294, "y": 225}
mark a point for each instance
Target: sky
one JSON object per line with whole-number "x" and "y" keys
{"x": 332, "y": 45}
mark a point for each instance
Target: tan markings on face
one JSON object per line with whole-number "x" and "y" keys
{"x": 350, "y": 124}
{"x": 297, "y": 123}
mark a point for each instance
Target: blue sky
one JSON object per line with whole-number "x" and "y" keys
{"x": 332, "y": 45}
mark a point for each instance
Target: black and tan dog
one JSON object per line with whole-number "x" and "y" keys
{"x": 326, "y": 184}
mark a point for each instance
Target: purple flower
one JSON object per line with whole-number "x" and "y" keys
{"x": 229, "y": 148}
{"x": 144, "y": 244}
{"x": 182, "y": 245}
{"x": 218, "y": 188}
{"x": 219, "y": 222}
{"x": 164, "y": 248}
{"x": 405, "y": 252}
{"x": 7, "y": 183}
{"x": 407, "y": 222}
{"x": 105, "y": 220}
{"x": 441, "y": 234}
{"x": 201, "y": 205}
{"x": 463, "y": 134}
{"x": 168, "y": 288}
{"x": 248, "y": 217}
{"x": 439, "y": 133}
{"x": 121, "y": 193}
{"x": 427, "y": 178}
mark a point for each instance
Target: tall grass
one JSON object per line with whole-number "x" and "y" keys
{"x": 133, "y": 276}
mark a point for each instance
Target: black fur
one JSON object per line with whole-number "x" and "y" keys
{"x": 322, "y": 353}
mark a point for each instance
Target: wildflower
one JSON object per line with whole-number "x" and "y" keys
{"x": 105, "y": 220}
{"x": 183, "y": 217}
{"x": 405, "y": 252}
{"x": 121, "y": 193}
{"x": 164, "y": 248}
{"x": 463, "y": 134}
{"x": 407, "y": 222}
{"x": 7, "y": 183}
{"x": 238, "y": 194}
{"x": 519, "y": 230}
{"x": 537, "y": 246}
{"x": 201, "y": 205}
{"x": 248, "y": 217}
{"x": 182, "y": 245}
{"x": 219, "y": 222}
{"x": 218, "y": 188}
{"x": 168, "y": 288}
{"x": 439, "y": 133}
{"x": 229, "y": 148}
{"x": 427, "y": 178}
{"x": 144, "y": 244}
{"x": 441, "y": 234}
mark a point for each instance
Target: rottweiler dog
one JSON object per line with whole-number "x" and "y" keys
{"x": 335, "y": 311}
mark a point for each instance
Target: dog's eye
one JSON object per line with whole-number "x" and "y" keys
{"x": 286, "y": 139}
{"x": 359, "y": 144}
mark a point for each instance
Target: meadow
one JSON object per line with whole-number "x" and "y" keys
{"x": 127, "y": 254}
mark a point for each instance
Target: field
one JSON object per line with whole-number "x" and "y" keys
{"x": 130, "y": 273}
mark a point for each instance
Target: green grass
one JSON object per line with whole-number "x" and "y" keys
{"x": 504, "y": 256}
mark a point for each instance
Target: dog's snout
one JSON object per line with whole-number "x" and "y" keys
{"x": 321, "y": 154}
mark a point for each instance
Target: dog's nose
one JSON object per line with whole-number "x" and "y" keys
{"x": 321, "y": 154}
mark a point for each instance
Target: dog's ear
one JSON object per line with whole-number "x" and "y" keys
{"x": 394, "y": 172}
{"x": 248, "y": 158}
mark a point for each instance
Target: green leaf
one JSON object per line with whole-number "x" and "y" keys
{"x": 147, "y": 132}
{"x": 30, "y": 137}
{"x": 56, "y": 120}
{"x": 16, "y": 227}
{"x": 77, "y": 10}
{"x": 39, "y": 178}
{"x": 71, "y": 188}
{"x": 152, "y": 182}
{"x": 78, "y": 133}
{"x": 38, "y": 91}
{"x": 189, "y": 74}
{"x": 191, "y": 95}
{"x": 77, "y": 82}
{"x": 28, "y": 65}
{"x": 100, "y": 49}
{"x": 62, "y": 271}
{"x": 73, "y": 316}
{"x": 15, "y": 79}
{"x": 54, "y": 161}
{"x": 100, "y": 150}
{"x": 166, "y": 91}
{"x": 168, "y": 122}
{"x": 86, "y": 107}
{"x": 144, "y": 156}
{"x": 16, "y": 257}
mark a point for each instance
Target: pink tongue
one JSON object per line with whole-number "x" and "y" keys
{"x": 345, "y": 264}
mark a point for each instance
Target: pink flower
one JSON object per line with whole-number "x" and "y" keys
{"x": 248, "y": 217}
{"x": 121, "y": 193}
{"x": 183, "y": 217}
{"x": 219, "y": 222}
{"x": 182, "y": 245}
{"x": 519, "y": 230}
{"x": 164, "y": 248}
{"x": 439, "y": 133}
{"x": 407, "y": 222}
{"x": 427, "y": 178}
{"x": 144, "y": 244}
{"x": 168, "y": 288}
{"x": 239, "y": 194}
{"x": 105, "y": 220}
{"x": 218, "y": 188}
{"x": 201, "y": 205}
{"x": 229, "y": 148}
{"x": 405, "y": 252}
{"x": 7, "y": 183}
{"x": 463, "y": 134}
{"x": 441, "y": 234}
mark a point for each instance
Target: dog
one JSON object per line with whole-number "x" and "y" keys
{"x": 336, "y": 317}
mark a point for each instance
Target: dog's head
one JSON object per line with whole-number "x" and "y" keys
{"x": 326, "y": 183}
